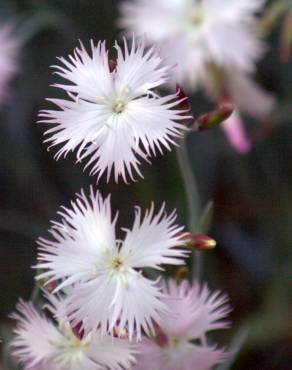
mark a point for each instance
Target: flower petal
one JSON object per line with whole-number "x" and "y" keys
{"x": 139, "y": 70}
{"x": 90, "y": 74}
{"x": 39, "y": 345}
{"x": 35, "y": 335}
{"x": 195, "y": 310}
{"x": 183, "y": 356}
{"x": 127, "y": 301}
{"x": 236, "y": 134}
{"x": 233, "y": 9}
{"x": 154, "y": 240}
{"x": 80, "y": 240}
{"x": 249, "y": 97}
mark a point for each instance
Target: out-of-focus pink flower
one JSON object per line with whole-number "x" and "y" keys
{"x": 9, "y": 50}
{"x": 40, "y": 344}
{"x": 235, "y": 132}
{"x": 194, "y": 311}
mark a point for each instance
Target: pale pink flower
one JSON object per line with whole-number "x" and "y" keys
{"x": 236, "y": 134}
{"x": 42, "y": 344}
{"x": 9, "y": 52}
{"x": 111, "y": 117}
{"x": 194, "y": 311}
{"x": 106, "y": 274}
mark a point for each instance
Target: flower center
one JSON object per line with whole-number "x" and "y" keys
{"x": 196, "y": 17}
{"x": 174, "y": 342}
{"x": 117, "y": 263}
{"x": 118, "y": 106}
{"x": 177, "y": 349}
{"x": 70, "y": 350}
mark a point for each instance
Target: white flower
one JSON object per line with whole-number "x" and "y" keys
{"x": 214, "y": 45}
{"x": 194, "y": 311}
{"x": 113, "y": 115}
{"x": 9, "y": 50}
{"x": 194, "y": 33}
{"x": 40, "y": 344}
{"x": 109, "y": 288}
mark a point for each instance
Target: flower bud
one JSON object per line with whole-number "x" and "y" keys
{"x": 209, "y": 120}
{"x": 200, "y": 242}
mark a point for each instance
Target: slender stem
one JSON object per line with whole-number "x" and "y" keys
{"x": 236, "y": 345}
{"x": 191, "y": 188}
{"x": 193, "y": 201}
{"x": 36, "y": 292}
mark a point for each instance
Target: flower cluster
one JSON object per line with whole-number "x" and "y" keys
{"x": 109, "y": 307}
{"x": 108, "y": 299}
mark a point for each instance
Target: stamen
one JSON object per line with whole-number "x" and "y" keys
{"x": 118, "y": 106}
{"x": 124, "y": 92}
{"x": 101, "y": 99}
{"x": 121, "y": 101}
{"x": 196, "y": 16}
{"x": 117, "y": 263}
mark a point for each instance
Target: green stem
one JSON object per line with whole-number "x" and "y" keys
{"x": 193, "y": 201}
{"x": 236, "y": 345}
{"x": 35, "y": 293}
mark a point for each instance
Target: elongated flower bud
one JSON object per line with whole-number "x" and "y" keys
{"x": 209, "y": 120}
{"x": 200, "y": 242}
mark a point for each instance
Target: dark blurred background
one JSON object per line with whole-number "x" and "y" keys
{"x": 252, "y": 193}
